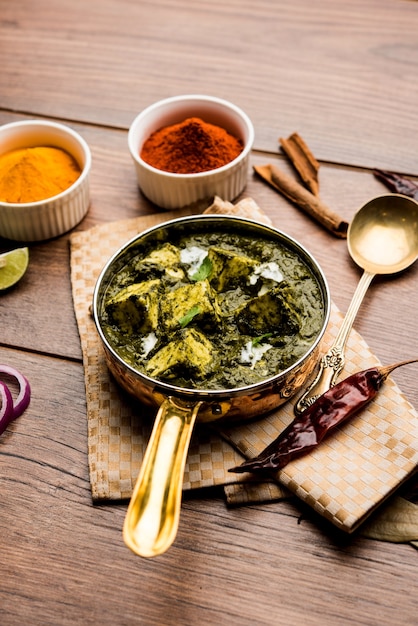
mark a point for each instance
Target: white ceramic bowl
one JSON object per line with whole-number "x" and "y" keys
{"x": 45, "y": 219}
{"x": 173, "y": 191}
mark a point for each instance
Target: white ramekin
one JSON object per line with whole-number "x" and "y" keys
{"x": 45, "y": 219}
{"x": 172, "y": 191}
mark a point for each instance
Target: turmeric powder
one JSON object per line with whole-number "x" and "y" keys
{"x": 38, "y": 173}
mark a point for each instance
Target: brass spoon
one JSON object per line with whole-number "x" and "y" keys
{"x": 382, "y": 239}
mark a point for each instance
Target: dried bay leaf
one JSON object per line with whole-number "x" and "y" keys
{"x": 396, "y": 522}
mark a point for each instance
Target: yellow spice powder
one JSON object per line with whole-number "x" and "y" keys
{"x": 32, "y": 174}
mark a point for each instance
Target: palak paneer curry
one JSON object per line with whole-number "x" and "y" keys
{"x": 213, "y": 310}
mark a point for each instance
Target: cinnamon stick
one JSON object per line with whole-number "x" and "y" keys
{"x": 303, "y": 160}
{"x": 304, "y": 199}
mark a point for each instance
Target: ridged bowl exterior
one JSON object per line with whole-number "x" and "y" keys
{"x": 46, "y": 219}
{"x": 173, "y": 191}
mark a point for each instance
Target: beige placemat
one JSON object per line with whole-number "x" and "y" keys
{"x": 353, "y": 471}
{"x": 118, "y": 426}
{"x": 344, "y": 480}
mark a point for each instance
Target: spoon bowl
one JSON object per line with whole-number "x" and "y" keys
{"x": 383, "y": 236}
{"x": 382, "y": 239}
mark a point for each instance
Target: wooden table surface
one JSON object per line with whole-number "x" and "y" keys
{"x": 343, "y": 75}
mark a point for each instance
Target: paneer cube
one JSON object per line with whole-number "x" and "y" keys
{"x": 179, "y": 302}
{"x": 273, "y": 312}
{"x": 189, "y": 355}
{"x": 135, "y": 309}
{"x": 164, "y": 260}
{"x": 229, "y": 269}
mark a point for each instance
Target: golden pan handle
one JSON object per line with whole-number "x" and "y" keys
{"x": 153, "y": 514}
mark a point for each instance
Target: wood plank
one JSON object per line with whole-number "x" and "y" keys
{"x": 63, "y": 560}
{"x": 343, "y": 74}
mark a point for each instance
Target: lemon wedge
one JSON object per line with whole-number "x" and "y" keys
{"x": 13, "y": 265}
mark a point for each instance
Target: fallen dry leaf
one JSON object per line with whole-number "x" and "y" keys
{"x": 396, "y": 522}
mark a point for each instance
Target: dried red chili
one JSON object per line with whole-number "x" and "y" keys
{"x": 331, "y": 409}
{"x": 398, "y": 183}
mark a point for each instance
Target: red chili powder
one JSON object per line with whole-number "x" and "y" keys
{"x": 190, "y": 147}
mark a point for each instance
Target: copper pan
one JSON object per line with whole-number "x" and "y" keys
{"x": 153, "y": 514}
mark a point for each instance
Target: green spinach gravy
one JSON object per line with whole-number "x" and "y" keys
{"x": 213, "y": 310}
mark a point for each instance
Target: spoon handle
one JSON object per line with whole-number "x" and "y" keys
{"x": 153, "y": 514}
{"x": 333, "y": 361}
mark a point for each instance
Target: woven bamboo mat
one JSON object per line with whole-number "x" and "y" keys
{"x": 344, "y": 480}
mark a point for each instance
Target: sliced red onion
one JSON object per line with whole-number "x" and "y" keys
{"x": 23, "y": 398}
{"x": 6, "y": 408}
